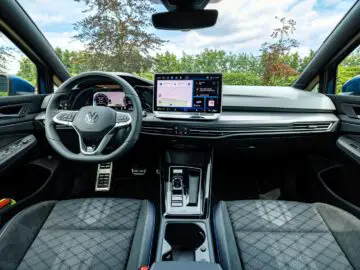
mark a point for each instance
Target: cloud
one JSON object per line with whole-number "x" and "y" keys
{"x": 64, "y": 40}
{"x": 243, "y": 25}
{"x": 54, "y": 13}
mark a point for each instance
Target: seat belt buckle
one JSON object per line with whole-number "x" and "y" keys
{"x": 144, "y": 267}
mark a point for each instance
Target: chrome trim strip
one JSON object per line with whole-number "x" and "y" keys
{"x": 276, "y": 117}
{"x": 190, "y": 116}
{"x": 254, "y": 123}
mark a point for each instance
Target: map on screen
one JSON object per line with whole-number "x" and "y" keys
{"x": 175, "y": 93}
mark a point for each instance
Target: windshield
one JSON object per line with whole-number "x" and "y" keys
{"x": 253, "y": 42}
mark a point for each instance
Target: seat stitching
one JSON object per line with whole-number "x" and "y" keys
{"x": 13, "y": 219}
{"x": 236, "y": 242}
{"x": 36, "y": 235}
{"x": 153, "y": 232}
{"x": 323, "y": 219}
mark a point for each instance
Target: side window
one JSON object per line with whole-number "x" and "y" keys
{"x": 348, "y": 74}
{"x": 18, "y": 74}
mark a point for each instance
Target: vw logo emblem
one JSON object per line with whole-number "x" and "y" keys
{"x": 91, "y": 117}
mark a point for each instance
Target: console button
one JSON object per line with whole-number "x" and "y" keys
{"x": 120, "y": 118}
{"x": 176, "y": 204}
{"x": 66, "y": 116}
{"x": 177, "y": 198}
{"x": 177, "y": 183}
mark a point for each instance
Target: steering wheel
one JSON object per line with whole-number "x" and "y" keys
{"x": 95, "y": 125}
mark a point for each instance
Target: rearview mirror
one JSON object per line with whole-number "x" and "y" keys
{"x": 11, "y": 85}
{"x": 185, "y": 20}
{"x": 185, "y": 15}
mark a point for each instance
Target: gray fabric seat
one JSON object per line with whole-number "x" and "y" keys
{"x": 260, "y": 234}
{"x": 97, "y": 233}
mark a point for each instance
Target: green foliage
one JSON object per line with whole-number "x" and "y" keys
{"x": 241, "y": 78}
{"x": 276, "y": 57}
{"x": 345, "y": 73}
{"x": 115, "y": 34}
{"x": 6, "y": 55}
{"x": 116, "y": 40}
{"x": 27, "y": 70}
{"x": 348, "y": 69}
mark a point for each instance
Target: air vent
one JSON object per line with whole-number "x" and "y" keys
{"x": 228, "y": 131}
{"x": 313, "y": 126}
{"x": 155, "y": 129}
{"x": 205, "y": 132}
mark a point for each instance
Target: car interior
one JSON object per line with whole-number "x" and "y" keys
{"x": 107, "y": 173}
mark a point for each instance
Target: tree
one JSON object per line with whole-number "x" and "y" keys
{"x": 348, "y": 69}
{"x": 115, "y": 34}
{"x": 75, "y": 61}
{"x": 306, "y": 60}
{"x": 274, "y": 54}
{"x": 166, "y": 62}
{"x": 6, "y": 55}
{"x": 27, "y": 70}
{"x": 352, "y": 59}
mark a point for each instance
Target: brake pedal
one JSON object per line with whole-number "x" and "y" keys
{"x": 103, "y": 176}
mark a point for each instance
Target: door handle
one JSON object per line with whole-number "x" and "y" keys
{"x": 13, "y": 111}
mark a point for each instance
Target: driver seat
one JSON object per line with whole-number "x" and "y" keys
{"x": 99, "y": 233}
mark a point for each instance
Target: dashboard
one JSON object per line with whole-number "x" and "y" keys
{"x": 244, "y": 111}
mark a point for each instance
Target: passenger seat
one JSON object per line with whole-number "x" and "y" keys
{"x": 261, "y": 234}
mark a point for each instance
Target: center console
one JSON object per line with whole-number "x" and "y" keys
{"x": 184, "y": 191}
{"x": 185, "y": 233}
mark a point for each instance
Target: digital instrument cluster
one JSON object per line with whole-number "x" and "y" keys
{"x": 117, "y": 100}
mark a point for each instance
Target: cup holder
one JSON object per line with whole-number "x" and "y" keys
{"x": 184, "y": 240}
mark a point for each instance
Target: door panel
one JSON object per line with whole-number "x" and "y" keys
{"x": 17, "y": 128}
{"x": 348, "y": 109}
{"x": 16, "y": 110}
{"x": 338, "y": 175}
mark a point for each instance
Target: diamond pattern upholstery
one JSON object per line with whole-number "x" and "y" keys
{"x": 282, "y": 235}
{"x": 85, "y": 234}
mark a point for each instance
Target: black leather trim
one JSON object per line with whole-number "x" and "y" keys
{"x": 227, "y": 248}
{"x": 140, "y": 252}
{"x": 345, "y": 228}
{"x": 18, "y": 234}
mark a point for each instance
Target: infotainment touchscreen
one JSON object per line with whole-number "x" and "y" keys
{"x": 188, "y": 93}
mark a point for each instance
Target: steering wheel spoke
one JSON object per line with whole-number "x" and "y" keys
{"x": 65, "y": 118}
{"x": 95, "y": 150}
{"x": 123, "y": 119}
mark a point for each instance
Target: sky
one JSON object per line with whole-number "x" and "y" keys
{"x": 242, "y": 26}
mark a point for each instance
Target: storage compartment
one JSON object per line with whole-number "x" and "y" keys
{"x": 29, "y": 184}
{"x": 343, "y": 183}
{"x": 23, "y": 182}
{"x": 185, "y": 242}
